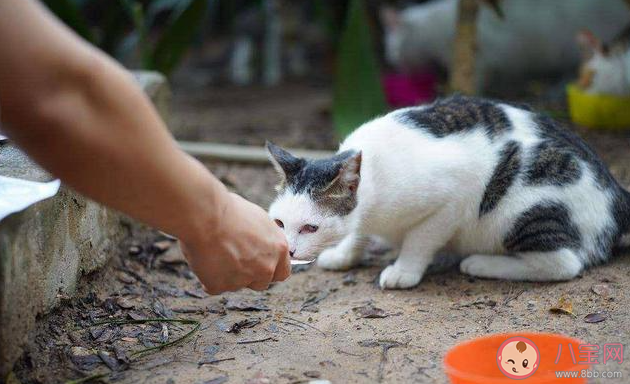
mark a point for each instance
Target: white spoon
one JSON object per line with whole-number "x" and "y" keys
{"x": 301, "y": 262}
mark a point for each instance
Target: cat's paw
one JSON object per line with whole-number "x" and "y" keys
{"x": 334, "y": 260}
{"x": 477, "y": 265}
{"x": 394, "y": 277}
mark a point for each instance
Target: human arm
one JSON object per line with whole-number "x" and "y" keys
{"x": 80, "y": 115}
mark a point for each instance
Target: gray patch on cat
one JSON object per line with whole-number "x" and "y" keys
{"x": 552, "y": 165}
{"x": 504, "y": 174}
{"x": 315, "y": 175}
{"x": 568, "y": 142}
{"x": 322, "y": 179}
{"x": 565, "y": 140}
{"x": 336, "y": 205}
{"x": 544, "y": 227}
{"x": 458, "y": 114}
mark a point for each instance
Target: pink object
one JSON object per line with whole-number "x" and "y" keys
{"x": 403, "y": 90}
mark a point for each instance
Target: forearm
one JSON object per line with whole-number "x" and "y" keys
{"x": 82, "y": 117}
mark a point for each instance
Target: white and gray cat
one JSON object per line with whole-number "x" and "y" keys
{"x": 606, "y": 66}
{"x": 534, "y": 37}
{"x": 521, "y": 196}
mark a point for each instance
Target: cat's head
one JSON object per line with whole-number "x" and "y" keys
{"x": 315, "y": 199}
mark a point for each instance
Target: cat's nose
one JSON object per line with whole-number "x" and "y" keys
{"x": 291, "y": 253}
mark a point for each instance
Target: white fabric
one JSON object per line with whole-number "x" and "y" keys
{"x": 18, "y": 194}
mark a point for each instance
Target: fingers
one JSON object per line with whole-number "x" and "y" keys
{"x": 283, "y": 269}
{"x": 283, "y": 266}
{"x": 259, "y": 286}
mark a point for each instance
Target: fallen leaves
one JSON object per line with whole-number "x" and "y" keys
{"x": 597, "y": 317}
{"x": 247, "y": 323}
{"x": 564, "y": 307}
{"x": 370, "y": 312}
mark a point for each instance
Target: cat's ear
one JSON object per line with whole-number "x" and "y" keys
{"x": 347, "y": 181}
{"x": 589, "y": 44}
{"x": 285, "y": 163}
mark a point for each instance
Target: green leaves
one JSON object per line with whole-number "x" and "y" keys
{"x": 358, "y": 92}
{"x": 176, "y": 38}
{"x": 162, "y": 53}
{"x": 69, "y": 12}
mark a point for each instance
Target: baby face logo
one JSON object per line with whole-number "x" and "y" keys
{"x": 518, "y": 358}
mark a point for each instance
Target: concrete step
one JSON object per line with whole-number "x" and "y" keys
{"x": 46, "y": 248}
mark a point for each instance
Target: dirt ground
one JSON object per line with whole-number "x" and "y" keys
{"x": 318, "y": 325}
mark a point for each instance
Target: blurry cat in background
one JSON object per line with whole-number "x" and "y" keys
{"x": 606, "y": 66}
{"x": 535, "y": 37}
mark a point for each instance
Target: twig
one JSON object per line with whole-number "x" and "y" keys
{"x": 381, "y": 364}
{"x": 293, "y": 324}
{"x": 145, "y": 351}
{"x": 87, "y": 378}
{"x": 305, "y": 324}
{"x": 312, "y": 300}
{"x": 339, "y": 350}
{"x": 216, "y": 361}
{"x": 255, "y": 341}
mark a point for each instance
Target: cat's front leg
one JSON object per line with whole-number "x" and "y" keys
{"x": 418, "y": 249}
{"x": 344, "y": 255}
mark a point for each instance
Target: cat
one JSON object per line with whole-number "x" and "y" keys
{"x": 522, "y": 197}
{"x": 606, "y": 67}
{"x": 535, "y": 37}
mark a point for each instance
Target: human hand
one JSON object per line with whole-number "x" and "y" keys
{"x": 244, "y": 249}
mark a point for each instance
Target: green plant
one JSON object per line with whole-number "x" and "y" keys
{"x": 165, "y": 53}
{"x": 358, "y": 92}
{"x": 160, "y": 51}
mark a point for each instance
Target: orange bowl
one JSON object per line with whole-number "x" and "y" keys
{"x": 476, "y": 361}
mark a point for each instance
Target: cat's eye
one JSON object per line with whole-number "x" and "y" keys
{"x": 308, "y": 228}
{"x": 279, "y": 223}
{"x": 525, "y": 362}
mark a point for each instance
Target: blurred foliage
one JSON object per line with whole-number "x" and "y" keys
{"x": 358, "y": 92}
{"x": 129, "y": 28}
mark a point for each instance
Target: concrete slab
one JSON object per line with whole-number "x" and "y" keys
{"x": 46, "y": 248}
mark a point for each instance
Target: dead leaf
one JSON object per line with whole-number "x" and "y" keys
{"x": 125, "y": 278}
{"x": 564, "y": 307}
{"x": 109, "y": 360}
{"x": 161, "y": 310}
{"x": 595, "y": 317}
{"x": 136, "y": 316}
{"x": 124, "y": 303}
{"x": 84, "y": 359}
{"x": 370, "y": 312}
{"x": 247, "y": 323}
